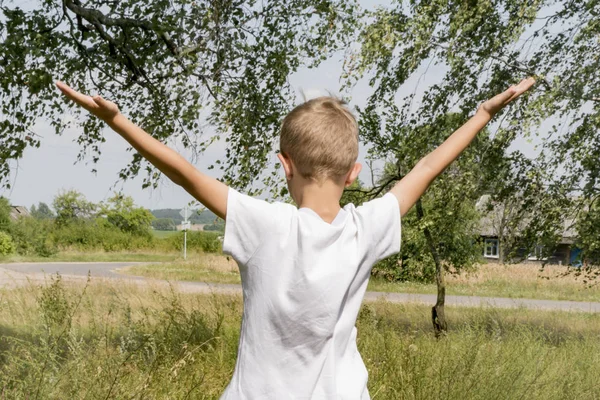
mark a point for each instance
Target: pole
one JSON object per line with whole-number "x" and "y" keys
{"x": 185, "y": 244}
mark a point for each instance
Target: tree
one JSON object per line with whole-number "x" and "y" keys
{"x": 171, "y": 66}
{"x": 588, "y": 230}
{"x": 481, "y": 48}
{"x": 121, "y": 212}
{"x": 4, "y": 214}
{"x": 441, "y": 232}
{"x": 42, "y": 211}
{"x": 72, "y": 206}
{"x": 163, "y": 224}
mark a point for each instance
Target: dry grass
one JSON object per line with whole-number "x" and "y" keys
{"x": 514, "y": 281}
{"x": 204, "y": 267}
{"x": 529, "y": 274}
{"x": 122, "y": 340}
{"x": 489, "y": 280}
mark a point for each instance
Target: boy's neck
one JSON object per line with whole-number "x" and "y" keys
{"x": 323, "y": 198}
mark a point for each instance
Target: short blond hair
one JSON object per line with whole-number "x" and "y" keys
{"x": 321, "y": 138}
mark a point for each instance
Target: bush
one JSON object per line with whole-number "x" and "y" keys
{"x": 99, "y": 234}
{"x": 33, "y": 237}
{"x": 7, "y": 246}
{"x": 207, "y": 242}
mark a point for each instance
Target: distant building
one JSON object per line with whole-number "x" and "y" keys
{"x": 17, "y": 212}
{"x": 495, "y": 220}
{"x": 193, "y": 227}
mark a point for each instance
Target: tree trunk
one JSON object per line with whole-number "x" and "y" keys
{"x": 437, "y": 312}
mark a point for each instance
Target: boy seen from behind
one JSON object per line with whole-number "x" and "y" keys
{"x": 304, "y": 269}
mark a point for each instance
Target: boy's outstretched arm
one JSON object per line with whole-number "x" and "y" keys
{"x": 207, "y": 190}
{"x": 410, "y": 188}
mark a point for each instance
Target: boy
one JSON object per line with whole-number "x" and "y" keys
{"x": 304, "y": 270}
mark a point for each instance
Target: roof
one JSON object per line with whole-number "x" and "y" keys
{"x": 495, "y": 215}
{"x": 18, "y": 212}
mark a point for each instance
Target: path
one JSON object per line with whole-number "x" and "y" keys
{"x": 12, "y": 275}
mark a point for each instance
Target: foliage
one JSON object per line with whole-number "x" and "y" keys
{"x": 7, "y": 246}
{"x": 98, "y": 234}
{"x": 480, "y": 49}
{"x": 34, "y": 237}
{"x": 169, "y": 65}
{"x": 208, "y": 242}
{"x": 42, "y": 211}
{"x": 71, "y": 206}
{"x": 163, "y": 224}
{"x": 121, "y": 212}
{"x": 449, "y": 205}
{"x": 218, "y": 226}
{"x": 5, "y": 220}
{"x": 354, "y": 194}
{"x": 588, "y": 233}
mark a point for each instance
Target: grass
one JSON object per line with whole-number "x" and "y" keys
{"x": 201, "y": 267}
{"x": 525, "y": 281}
{"x": 117, "y": 340}
{"x": 490, "y": 280}
{"x": 93, "y": 256}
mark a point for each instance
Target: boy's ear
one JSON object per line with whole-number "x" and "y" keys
{"x": 353, "y": 174}
{"x": 287, "y": 165}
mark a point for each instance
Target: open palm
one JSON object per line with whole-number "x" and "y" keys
{"x": 497, "y": 103}
{"x": 101, "y": 108}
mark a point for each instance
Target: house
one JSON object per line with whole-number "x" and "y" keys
{"x": 500, "y": 220}
{"x": 17, "y": 212}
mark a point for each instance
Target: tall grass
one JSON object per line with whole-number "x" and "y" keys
{"x": 117, "y": 340}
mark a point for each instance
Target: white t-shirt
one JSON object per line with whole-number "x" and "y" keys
{"x": 303, "y": 283}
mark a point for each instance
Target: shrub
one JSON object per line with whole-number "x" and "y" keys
{"x": 33, "y": 237}
{"x": 6, "y": 244}
{"x": 99, "y": 234}
{"x": 207, "y": 242}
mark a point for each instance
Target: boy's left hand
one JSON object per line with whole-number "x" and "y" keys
{"x": 497, "y": 103}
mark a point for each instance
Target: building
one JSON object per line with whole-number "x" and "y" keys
{"x": 17, "y": 212}
{"x": 499, "y": 220}
{"x": 192, "y": 227}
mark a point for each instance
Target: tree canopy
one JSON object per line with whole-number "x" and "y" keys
{"x": 171, "y": 66}
{"x": 480, "y": 48}
{"x": 195, "y": 72}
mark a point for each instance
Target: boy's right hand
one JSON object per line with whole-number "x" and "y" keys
{"x": 101, "y": 108}
{"x": 498, "y": 102}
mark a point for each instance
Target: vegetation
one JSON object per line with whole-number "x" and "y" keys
{"x": 525, "y": 281}
{"x": 115, "y": 226}
{"x": 118, "y": 340}
{"x": 7, "y": 247}
{"x": 169, "y": 65}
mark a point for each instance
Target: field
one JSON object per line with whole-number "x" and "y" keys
{"x": 164, "y": 234}
{"x": 490, "y": 280}
{"x": 116, "y": 340}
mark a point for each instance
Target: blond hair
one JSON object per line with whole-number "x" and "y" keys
{"x": 321, "y": 138}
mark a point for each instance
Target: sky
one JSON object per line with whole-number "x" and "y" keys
{"x": 44, "y": 172}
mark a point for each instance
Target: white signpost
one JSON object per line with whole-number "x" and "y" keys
{"x": 185, "y": 225}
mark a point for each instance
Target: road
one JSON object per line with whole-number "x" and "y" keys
{"x": 12, "y": 275}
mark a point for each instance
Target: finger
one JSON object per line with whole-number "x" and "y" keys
{"x": 100, "y": 101}
{"x": 505, "y": 96}
{"x": 522, "y": 87}
{"x": 79, "y": 98}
